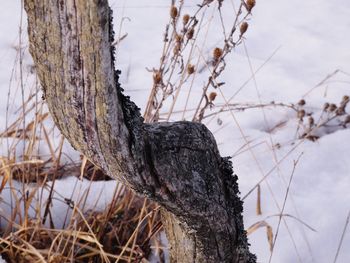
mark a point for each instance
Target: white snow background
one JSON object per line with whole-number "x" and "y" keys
{"x": 308, "y": 41}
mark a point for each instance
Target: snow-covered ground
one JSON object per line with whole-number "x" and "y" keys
{"x": 308, "y": 41}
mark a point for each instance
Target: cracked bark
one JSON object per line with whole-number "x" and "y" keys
{"x": 175, "y": 164}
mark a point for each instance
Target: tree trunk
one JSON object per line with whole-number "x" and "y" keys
{"x": 175, "y": 164}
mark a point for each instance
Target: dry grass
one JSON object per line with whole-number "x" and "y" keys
{"x": 123, "y": 231}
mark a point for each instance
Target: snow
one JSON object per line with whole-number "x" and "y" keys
{"x": 308, "y": 41}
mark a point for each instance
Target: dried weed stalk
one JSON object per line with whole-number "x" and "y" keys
{"x": 332, "y": 118}
{"x": 176, "y": 68}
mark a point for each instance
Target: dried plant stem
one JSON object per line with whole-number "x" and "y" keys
{"x": 183, "y": 75}
{"x": 342, "y": 237}
{"x": 284, "y": 205}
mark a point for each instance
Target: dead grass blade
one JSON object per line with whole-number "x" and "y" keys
{"x": 269, "y": 232}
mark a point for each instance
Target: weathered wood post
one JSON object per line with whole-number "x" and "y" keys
{"x": 175, "y": 164}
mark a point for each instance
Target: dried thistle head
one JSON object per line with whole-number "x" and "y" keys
{"x": 217, "y": 53}
{"x": 326, "y": 106}
{"x": 250, "y": 4}
{"x": 190, "y": 69}
{"x": 173, "y": 12}
{"x": 244, "y": 27}
{"x": 157, "y": 77}
{"x": 178, "y": 38}
{"x": 212, "y": 96}
{"x": 301, "y": 102}
{"x": 190, "y": 33}
{"x": 332, "y": 107}
{"x": 185, "y": 19}
{"x": 340, "y": 110}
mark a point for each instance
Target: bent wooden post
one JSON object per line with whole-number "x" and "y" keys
{"x": 175, "y": 164}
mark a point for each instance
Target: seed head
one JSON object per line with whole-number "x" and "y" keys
{"x": 190, "y": 33}
{"x": 157, "y": 77}
{"x": 332, "y": 107}
{"x": 185, "y": 19}
{"x": 244, "y": 27}
{"x": 190, "y": 69}
{"x": 173, "y": 12}
{"x": 178, "y": 38}
{"x": 341, "y": 109}
{"x": 345, "y": 101}
{"x": 212, "y": 96}
{"x": 326, "y": 106}
{"x": 301, "y": 102}
{"x": 217, "y": 53}
{"x": 250, "y": 4}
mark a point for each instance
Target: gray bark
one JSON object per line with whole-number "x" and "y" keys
{"x": 175, "y": 164}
